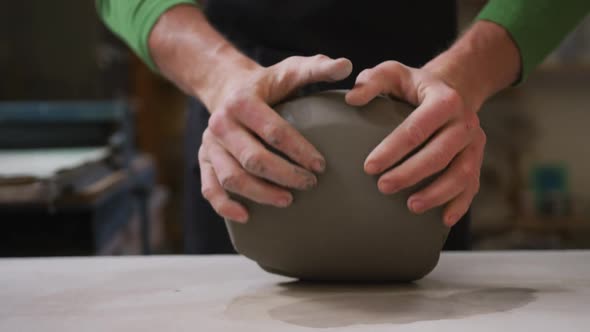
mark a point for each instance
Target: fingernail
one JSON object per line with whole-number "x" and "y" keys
{"x": 416, "y": 205}
{"x": 309, "y": 183}
{"x": 318, "y": 165}
{"x": 371, "y": 168}
{"x": 284, "y": 201}
{"x": 451, "y": 220}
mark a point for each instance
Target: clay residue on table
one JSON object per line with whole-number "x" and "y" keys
{"x": 328, "y": 306}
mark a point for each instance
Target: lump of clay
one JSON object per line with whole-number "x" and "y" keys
{"x": 344, "y": 229}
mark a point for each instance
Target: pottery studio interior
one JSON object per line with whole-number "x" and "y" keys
{"x": 221, "y": 165}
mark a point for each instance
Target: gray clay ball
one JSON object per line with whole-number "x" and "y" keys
{"x": 344, "y": 229}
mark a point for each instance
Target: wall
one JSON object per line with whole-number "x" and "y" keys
{"x": 48, "y": 50}
{"x": 558, "y": 102}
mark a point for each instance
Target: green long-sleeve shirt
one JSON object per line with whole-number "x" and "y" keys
{"x": 537, "y": 26}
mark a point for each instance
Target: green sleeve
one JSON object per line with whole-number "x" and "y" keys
{"x": 133, "y": 20}
{"x": 537, "y": 26}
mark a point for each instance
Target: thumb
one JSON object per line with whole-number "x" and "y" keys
{"x": 388, "y": 78}
{"x": 295, "y": 72}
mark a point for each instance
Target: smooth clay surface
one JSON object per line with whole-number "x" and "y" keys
{"x": 344, "y": 229}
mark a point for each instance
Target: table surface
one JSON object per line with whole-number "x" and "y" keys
{"x": 45, "y": 163}
{"x": 481, "y": 291}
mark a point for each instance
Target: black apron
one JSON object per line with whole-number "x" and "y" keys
{"x": 366, "y": 32}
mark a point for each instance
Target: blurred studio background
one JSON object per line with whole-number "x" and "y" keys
{"x": 91, "y": 148}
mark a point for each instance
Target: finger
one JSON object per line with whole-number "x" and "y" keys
{"x": 457, "y": 208}
{"x": 432, "y": 158}
{"x": 460, "y": 204}
{"x": 233, "y": 178}
{"x": 289, "y": 75}
{"x": 295, "y": 72}
{"x": 389, "y": 78}
{"x": 438, "y": 108}
{"x": 257, "y": 116}
{"x": 257, "y": 160}
{"x": 463, "y": 170}
{"x": 217, "y": 197}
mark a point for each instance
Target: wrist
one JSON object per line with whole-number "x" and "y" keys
{"x": 448, "y": 68}
{"x": 227, "y": 69}
{"x": 482, "y": 62}
{"x": 189, "y": 52}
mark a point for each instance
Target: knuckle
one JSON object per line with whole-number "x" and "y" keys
{"x": 483, "y": 138}
{"x": 392, "y": 67}
{"x": 216, "y": 124}
{"x": 207, "y": 192}
{"x": 290, "y": 62}
{"x": 467, "y": 171}
{"x": 439, "y": 159}
{"x": 321, "y": 57}
{"x": 471, "y": 121}
{"x": 233, "y": 181}
{"x": 206, "y": 134}
{"x": 295, "y": 59}
{"x": 235, "y": 104}
{"x": 253, "y": 162}
{"x": 452, "y": 100}
{"x": 201, "y": 154}
{"x": 365, "y": 75}
{"x": 207, "y": 138}
{"x": 287, "y": 74}
{"x": 274, "y": 134}
{"x": 414, "y": 134}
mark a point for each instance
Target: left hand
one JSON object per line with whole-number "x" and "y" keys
{"x": 443, "y": 113}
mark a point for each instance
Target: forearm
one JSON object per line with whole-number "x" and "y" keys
{"x": 482, "y": 62}
{"x": 133, "y": 20}
{"x": 191, "y": 53}
{"x": 536, "y": 26}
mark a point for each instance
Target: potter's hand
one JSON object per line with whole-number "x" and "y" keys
{"x": 237, "y": 91}
{"x": 448, "y": 91}
{"x": 456, "y": 146}
{"x": 232, "y": 157}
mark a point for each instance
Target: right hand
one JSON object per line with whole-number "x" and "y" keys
{"x": 233, "y": 159}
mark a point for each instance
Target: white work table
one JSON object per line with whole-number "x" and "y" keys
{"x": 501, "y": 291}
